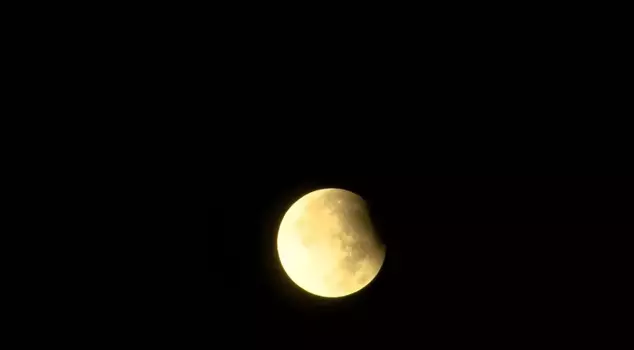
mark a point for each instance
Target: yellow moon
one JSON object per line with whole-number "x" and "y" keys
{"x": 327, "y": 244}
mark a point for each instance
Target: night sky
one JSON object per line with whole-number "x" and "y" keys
{"x": 501, "y": 260}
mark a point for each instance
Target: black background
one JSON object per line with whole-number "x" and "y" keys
{"x": 504, "y": 259}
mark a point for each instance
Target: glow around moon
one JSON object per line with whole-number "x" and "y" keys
{"x": 327, "y": 244}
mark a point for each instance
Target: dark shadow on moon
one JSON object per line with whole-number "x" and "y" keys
{"x": 357, "y": 236}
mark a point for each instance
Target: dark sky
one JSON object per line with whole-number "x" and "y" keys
{"x": 468, "y": 258}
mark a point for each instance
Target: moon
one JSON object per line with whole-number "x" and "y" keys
{"x": 327, "y": 244}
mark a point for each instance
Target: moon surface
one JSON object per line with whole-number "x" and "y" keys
{"x": 327, "y": 244}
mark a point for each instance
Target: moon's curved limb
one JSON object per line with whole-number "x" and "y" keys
{"x": 327, "y": 244}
